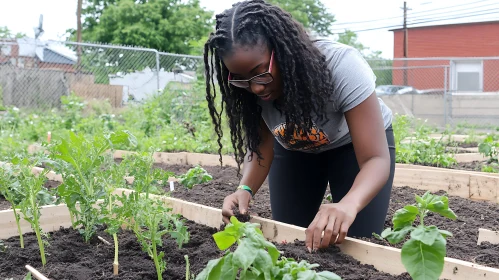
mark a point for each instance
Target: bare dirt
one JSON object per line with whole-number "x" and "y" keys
{"x": 69, "y": 257}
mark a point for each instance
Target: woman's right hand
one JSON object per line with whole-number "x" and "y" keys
{"x": 239, "y": 199}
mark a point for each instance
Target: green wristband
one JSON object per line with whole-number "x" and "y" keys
{"x": 246, "y": 188}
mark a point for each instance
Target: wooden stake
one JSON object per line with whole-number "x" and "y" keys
{"x": 104, "y": 241}
{"x": 485, "y": 235}
{"x": 36, "y": 273}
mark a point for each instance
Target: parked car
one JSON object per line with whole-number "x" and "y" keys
{"x": 395, "y": 89}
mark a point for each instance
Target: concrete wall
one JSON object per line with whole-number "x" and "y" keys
{"x": 479, "y": 108}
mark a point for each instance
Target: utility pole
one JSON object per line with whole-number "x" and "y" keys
{"x": 406, "y": 40}
{"x": 78, "y": 33}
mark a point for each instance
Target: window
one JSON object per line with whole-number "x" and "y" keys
{"x": 467, "y": 76}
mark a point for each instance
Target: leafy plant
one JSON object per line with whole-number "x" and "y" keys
{"x": 194, "y": 176}
{"x": 80, "y": 160}
{"x": 10, "y": 188}
{"x": 254, "y": 257}
{"x": 423, "y": 254}
{"x": 36, "y": 195}
{"x": 150, "y": 222}
{"x": 147, "y": 179}
{"x": 490, "y": 149}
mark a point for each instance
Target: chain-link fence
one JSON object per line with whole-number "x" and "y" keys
{"x": 36, "y": 75}
{"x": 446, "y": 91}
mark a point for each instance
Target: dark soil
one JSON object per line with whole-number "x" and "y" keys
{"x": 68, "y": 257}
{"x": 4, "y": 204}
{"x": 471, "y": 214}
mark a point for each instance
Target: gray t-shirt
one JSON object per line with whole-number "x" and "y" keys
{"x": 353, "y": 82}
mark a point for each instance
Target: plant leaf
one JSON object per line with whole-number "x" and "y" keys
{"x": 445, "y": 233}
{"x": 212, "y": 271}
{"x": 404, "y": 217}
{"x": 427, "y": 235}
{"x": 328, "y": 275}
{"x": 440, "y": 205}
{"x": 396, "y": 236}
{"x": 245, "y": 253}
{"x": 424, "y": 262}
{"x": 224, "y": 240}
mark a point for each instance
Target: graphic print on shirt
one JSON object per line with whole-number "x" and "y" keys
{"x": 313, "y": 139}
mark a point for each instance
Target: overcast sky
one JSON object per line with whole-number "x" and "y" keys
{"x": 59, "y": 15}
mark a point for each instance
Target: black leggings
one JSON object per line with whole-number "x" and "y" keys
{"x": 298, "y": 181}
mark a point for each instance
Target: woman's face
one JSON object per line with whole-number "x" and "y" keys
{"x": 245, "y": 63}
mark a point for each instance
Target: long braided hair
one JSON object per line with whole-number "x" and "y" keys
{"x": 306, "y": 80}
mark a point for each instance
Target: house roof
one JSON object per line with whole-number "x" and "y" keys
{"x": 46, "y": 51}
{"x": 448, "y": 24}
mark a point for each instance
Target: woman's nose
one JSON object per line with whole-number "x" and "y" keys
{"x": 256, "y": 88}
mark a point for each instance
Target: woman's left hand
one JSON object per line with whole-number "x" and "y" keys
{"x": 334, "y": 220}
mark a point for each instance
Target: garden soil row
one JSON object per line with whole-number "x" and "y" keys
{"x": 69, "y": 257}
{"x": 472, "y": 215}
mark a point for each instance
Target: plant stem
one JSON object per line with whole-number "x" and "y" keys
{"x": 115, "y": 263}
{"x": 421, "y": 217}
{"x": 40, "y": 243}
{"x": 16, "y": 215}
{"x": 187, "y": 267}
{"x": 156, "y": 261}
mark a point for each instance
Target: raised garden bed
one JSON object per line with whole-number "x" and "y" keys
{"x": 93, "y": 260}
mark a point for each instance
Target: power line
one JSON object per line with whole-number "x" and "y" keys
{"x": 414, "y": 23}
{"x": 450, "y": 13}
{"x": 410, "y": 14}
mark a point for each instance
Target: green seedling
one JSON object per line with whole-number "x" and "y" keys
{"x": 151, "y": 221}
{"x": 424, "y": 252}
{"x": 147, "y": 179}
{"x": 81, "y": 161}
{"x": 254, "y": 258}
{"x": 10, "y": 188}
{"x": 194, "y": 176}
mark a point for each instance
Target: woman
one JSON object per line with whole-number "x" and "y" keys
{"x": 306, "y": 114}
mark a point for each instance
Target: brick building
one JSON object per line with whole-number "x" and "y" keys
{"x": 467, "y": 51}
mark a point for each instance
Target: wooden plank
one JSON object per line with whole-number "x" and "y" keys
{"x": 487, "y": 236}
{"x": 53, "y": 217}
{"x": 450, "y": 170}
{"x": 434, "y": 181}
{"x": 462, "y": 184}
{"x": 469, "y": 157}
{"x": 209, "y": 160}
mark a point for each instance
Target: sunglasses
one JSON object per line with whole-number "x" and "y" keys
{"x": 260, "y": 79}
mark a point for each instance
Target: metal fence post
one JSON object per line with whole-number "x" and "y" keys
{"x": 157, "y": 69}
{"x": 445, "y": 96}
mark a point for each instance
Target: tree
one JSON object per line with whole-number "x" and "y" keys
{"x": 379, "y": 65}
{"x": 311, "y": 13}
{"x": 165, "y": 25}
{"x": 5, "y": 33}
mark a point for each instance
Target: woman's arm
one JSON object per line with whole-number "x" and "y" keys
{"x": 367, "y": 131}
{"x": 254, "y": 174}
{"x": 371, "y": 149}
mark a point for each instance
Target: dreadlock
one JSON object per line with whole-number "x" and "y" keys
{"x": 305, "y": 77}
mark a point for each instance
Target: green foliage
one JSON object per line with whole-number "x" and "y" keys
{"x": 10, "y": 189}
{"x": 490, "y": 149}
{"x": 35, "y": 196}
{"x": 147, "y": 179}
{"x": 195, "y": 176}
{"x": 313, "y": 14}
{"x": 423, "y": 254}
{"x": 5, "y": 33}
{"x": 152, "y": 221}
{"x": 420, "y": 148}
{"x": 165, "y": 25}
{"x": 254, "y": 257}
{"x": 80, "y": 161}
